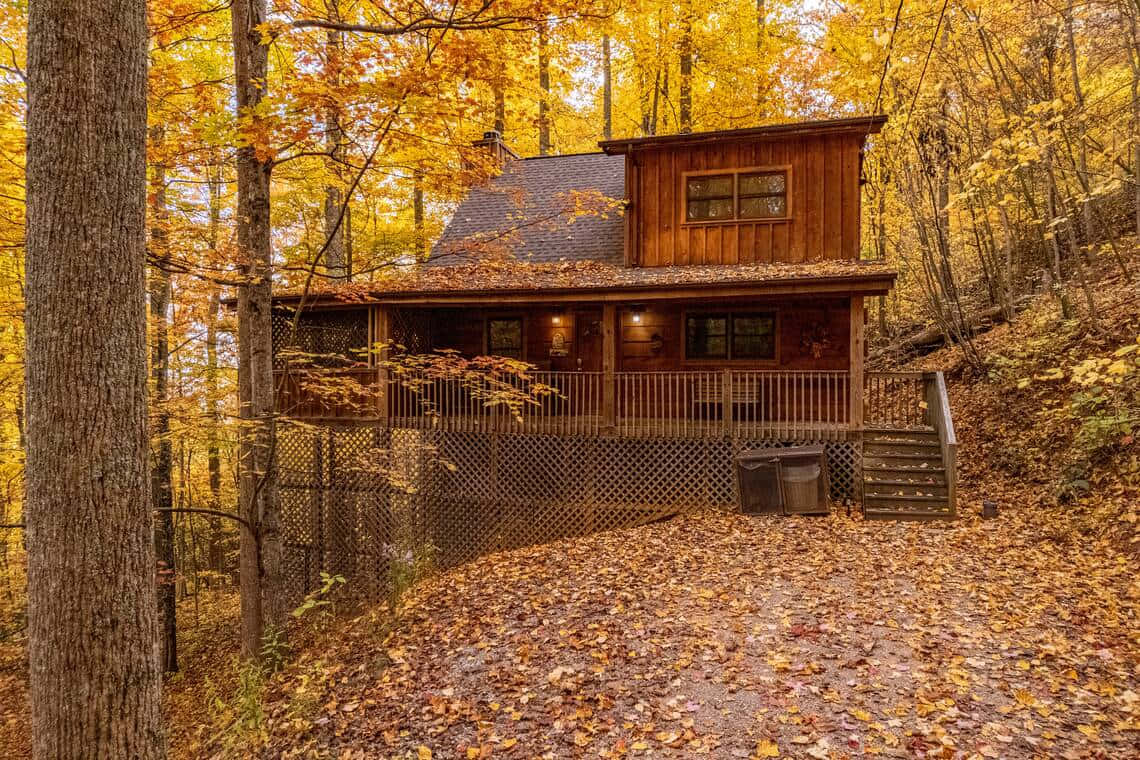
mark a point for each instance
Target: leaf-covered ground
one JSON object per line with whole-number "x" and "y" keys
{"x": 741, "y": 637}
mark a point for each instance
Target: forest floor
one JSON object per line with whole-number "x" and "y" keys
{"x": 742, "y": 637}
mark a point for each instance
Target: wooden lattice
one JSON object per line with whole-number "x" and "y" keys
{"x": 411, "y": 329}
{"x": 328, "y": 338}
{"x": 352, "y": 496}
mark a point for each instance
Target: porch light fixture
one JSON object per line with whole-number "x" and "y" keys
{"x": 635, "y": 315}
{"x": 556, "y": 319}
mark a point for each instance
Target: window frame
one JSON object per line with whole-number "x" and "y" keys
{"x": 513, "y": 317}
{"x": 731, "y": 314}
{"x": 735, "y": 173}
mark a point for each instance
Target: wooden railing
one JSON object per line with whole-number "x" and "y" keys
{"x": 938, "y": 408}
{"x": 744, "y": 403}
{"x": 347, "y": 393}
{"x": 895, "y": 400}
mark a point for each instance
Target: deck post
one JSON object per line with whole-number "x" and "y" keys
{"x": 855, "y": 365}
{"x": 726, "y": 401}
{"x": 381, "y": 333}
{"x": 610, "y": 331}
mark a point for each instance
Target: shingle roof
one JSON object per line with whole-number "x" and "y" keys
{"x": 548, "y": 279}
{"x": 534, "y": 211}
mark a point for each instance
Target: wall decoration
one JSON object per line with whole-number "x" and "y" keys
{"x": 816, "y": 339}
{"x": 558, "y": 344}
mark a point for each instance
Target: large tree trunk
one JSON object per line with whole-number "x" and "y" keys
{"x": 262, "y": 601}
{"x": 93, "y": 666}
{"x": 162, "y": 457}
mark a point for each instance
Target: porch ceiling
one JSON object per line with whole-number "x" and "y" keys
{"x": 512, "y": 282}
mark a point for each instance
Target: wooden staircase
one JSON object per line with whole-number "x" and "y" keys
{"x": 903, "y": 475}
{"x": 909, "y": 448}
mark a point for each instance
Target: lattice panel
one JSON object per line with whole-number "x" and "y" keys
{"x": 411, "y": 328}
{"x": 352, "y": 496}
{"x": 327, "y": 338}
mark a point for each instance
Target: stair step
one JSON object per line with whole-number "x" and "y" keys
{"x": 890, "y": 443}
{"x": 908, "y": 470}
{"x": 904, "y": 499}
{"x": 889, "y": 450}
{"x": 893, "y": 430}
{"x": 871, "y": 513}
{"x": 910, "y": 493}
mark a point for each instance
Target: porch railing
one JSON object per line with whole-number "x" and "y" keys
{"x": 746, "y": 403}
{"x": 895, "y": 400}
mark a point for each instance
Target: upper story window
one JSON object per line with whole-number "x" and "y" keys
{"x": 742, "y": 335}
{"x": 758, "y": 194}
{"x": 505, "y": 337}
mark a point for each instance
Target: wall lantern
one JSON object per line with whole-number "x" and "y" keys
{"x": 635, "y": 315}
{"x": 556, "y": 318}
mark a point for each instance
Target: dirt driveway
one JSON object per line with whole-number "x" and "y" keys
{"x": 743, "y": 637}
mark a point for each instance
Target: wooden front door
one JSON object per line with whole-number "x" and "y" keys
{"x": 588, "y": 340}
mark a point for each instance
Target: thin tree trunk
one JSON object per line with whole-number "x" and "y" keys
{"x": 544, "y": 92}
{"x": 215, "y": 551}
{"x": 335, "y": 257}
{"x": 500, "y": 109}
{"x": 93, "y": 667}
{"x": 162, "y": 460}
{"x": 262, "y": 600}
{"x": 686, "y": 53}
{"x": 607, "y": 90}
{"x": 761, "y": 70}
{"x": 418, "y": 212}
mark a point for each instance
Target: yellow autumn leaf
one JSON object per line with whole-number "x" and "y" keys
{"x": 423, "y": 753}
{"x": 766, "y": 748}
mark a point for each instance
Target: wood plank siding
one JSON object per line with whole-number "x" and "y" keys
{"x": 811, "y": 335}
{"x": 822, "y": 220}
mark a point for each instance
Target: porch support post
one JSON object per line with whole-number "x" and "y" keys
{"x": 855, "y": 365}
{"x": 610, "y": 332}
{"x": 726, "y": 400}
{"x": 381, "y": 333}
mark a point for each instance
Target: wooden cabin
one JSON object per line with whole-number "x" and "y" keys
{"x": 695, "y": 288}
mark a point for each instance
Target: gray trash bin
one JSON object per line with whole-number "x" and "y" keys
{"x": 801, "y": 486}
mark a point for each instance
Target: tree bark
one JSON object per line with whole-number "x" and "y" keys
{"x": 544, "y": 92}
{"x": 93, "y": 665}
{"x": 418, "y": 213}
{"x": 607, "y": 90}
{"x": 162, "y": 457}
{"x": 335, "y": 256}
{"x": 215, "y": 551}
{"x": 262, "y": 600}
{"x": 686, "y": 54}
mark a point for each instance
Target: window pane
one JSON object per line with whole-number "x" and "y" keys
{"x": 505, "y": 338}
{"x": 772, "y": 207}
{"x": 712, "y": 209}
{"x": 706, "y": 337}
{"x": 754, "y": 336}
{"x": 719, "y": 186}
{"x": 769, "y": 183}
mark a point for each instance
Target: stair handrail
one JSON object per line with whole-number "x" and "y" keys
{"x": 938, "y": 407}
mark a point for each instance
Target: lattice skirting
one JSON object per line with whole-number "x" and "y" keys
{"x": 355, "y": 500}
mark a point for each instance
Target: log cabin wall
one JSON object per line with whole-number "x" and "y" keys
{"x": 822, "y": 203}
{"x": 811, "y": 335}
